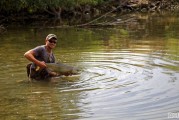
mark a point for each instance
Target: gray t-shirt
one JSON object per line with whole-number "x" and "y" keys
{"x": 41, "y": 54}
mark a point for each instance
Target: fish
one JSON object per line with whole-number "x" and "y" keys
{"x": 63, "y": 69}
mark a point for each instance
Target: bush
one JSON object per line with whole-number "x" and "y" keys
{"x": 32, "y": 6}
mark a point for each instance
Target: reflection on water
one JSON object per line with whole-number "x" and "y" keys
{"x": 129, "y": 72}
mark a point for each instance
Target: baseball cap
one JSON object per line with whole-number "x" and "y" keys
{"x": 50, "y": 36}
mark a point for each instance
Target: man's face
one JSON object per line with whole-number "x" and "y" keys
{"x": 51, "y": 43}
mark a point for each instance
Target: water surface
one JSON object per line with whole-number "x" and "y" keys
{"x": 130, "y": 71}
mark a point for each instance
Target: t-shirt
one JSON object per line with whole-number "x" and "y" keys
{"x": 41, "y": 54}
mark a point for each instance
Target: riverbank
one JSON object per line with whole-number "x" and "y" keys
{"x": 84, "y": 15}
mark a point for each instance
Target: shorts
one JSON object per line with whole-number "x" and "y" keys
{"x": 37, "y": 74}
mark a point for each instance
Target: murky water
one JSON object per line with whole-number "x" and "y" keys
{"x": 130, "y": 71}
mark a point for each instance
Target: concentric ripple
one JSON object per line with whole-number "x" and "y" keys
{"x": 127, "y": 85}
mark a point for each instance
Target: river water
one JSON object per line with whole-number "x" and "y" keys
{"x": 130, "y": 72}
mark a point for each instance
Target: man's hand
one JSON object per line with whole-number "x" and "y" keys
{"x": 30, "y": 56}
{"x": 41, "y": 64}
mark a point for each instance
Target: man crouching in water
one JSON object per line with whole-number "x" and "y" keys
{"x": 39, "y": 56}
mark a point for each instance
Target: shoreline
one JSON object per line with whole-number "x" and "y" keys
{"x": 87, "y": 14}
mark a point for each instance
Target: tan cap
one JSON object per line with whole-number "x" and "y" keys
{"x": 50, "y": 36}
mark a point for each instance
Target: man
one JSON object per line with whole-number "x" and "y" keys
{"x": 39, "y": 56}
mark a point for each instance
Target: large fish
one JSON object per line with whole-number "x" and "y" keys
{"x": 63, "y": 69}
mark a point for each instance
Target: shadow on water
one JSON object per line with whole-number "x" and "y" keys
{"x": 130, "y": 71}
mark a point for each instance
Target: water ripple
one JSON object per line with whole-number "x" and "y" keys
{"x": 129, "y": 85}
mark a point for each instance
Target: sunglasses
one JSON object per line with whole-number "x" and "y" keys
{"x": 52, "y": 41}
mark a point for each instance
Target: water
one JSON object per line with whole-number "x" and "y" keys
{"x": 131, "y": 71}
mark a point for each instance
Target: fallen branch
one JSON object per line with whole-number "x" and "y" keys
{"x": 86, "y": 24}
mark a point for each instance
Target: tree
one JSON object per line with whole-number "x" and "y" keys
{"x": 53, "y": 7}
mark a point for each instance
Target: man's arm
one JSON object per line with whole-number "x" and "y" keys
{"x": 30, "y": 56}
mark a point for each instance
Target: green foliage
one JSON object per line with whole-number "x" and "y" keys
{"x": 91, "y": 2}
{"x": 12, "y": 5}
{"x": 9, "y": 6}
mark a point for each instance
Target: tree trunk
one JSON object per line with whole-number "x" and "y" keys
{"x": 55, "y": 11}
